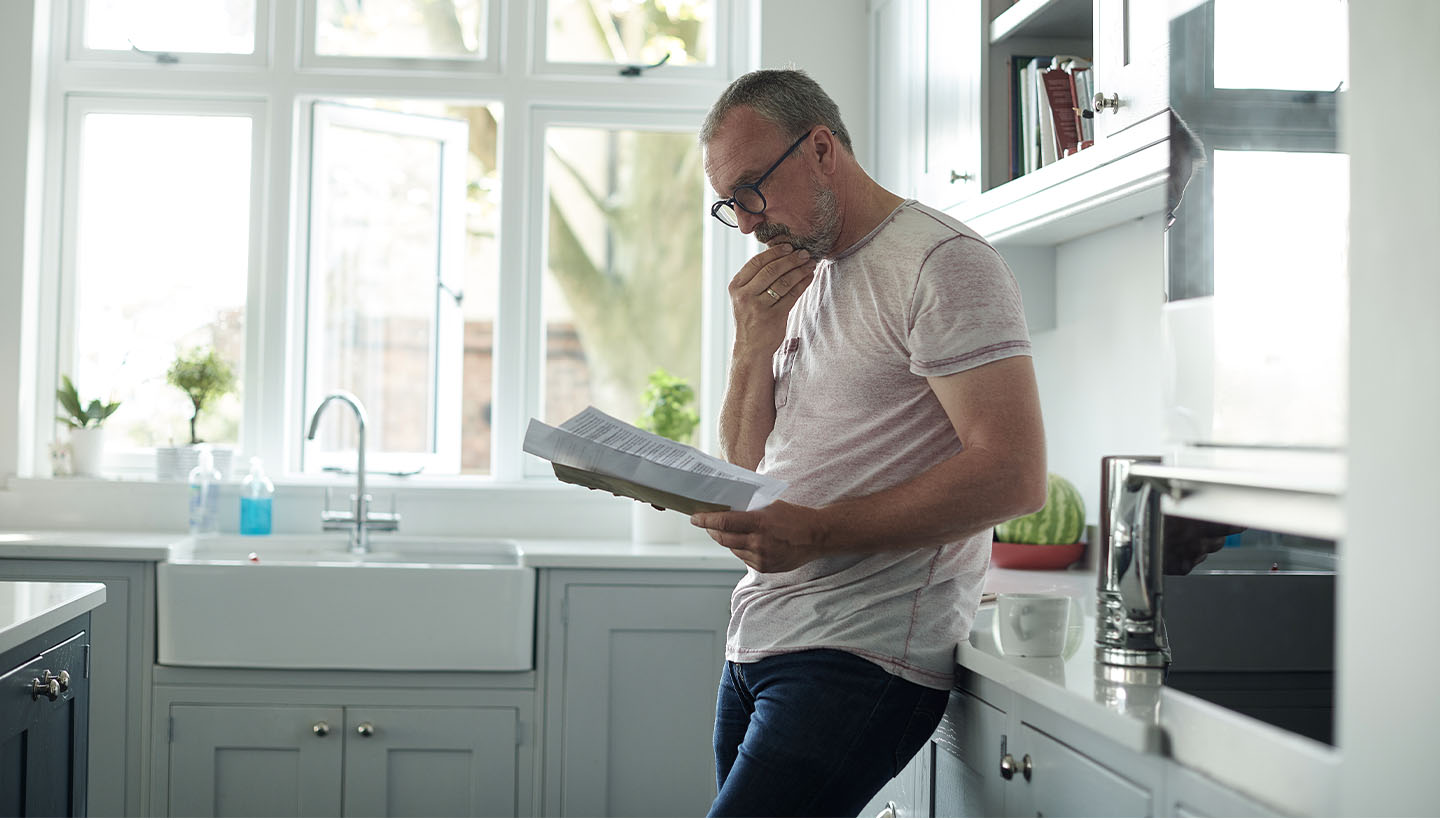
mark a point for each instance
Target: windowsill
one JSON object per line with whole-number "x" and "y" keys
{"x": 532, "y": 508}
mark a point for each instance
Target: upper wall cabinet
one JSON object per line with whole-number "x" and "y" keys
{"x": 969, "y": 125}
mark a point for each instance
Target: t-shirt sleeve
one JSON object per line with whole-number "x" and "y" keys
{"x": 966, "y": 310}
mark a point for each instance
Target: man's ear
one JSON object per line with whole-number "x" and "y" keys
{"x": 826, "y": 146}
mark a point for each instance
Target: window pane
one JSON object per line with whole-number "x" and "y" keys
{"x": 401, "y": 28}
{"x": 622, "y": 287}
{"x": 631, "y": 31}
{"x": 204, "y": 26}
{"x": 381, "y": 325}
{"x": 162, "y": 256}
{"x": 1258, "y": 44}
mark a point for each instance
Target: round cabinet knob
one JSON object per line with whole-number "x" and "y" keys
{"x": 1102, "y": 102}
{"x": 48, "y": 688}
{"x": 365, "y": 729}
{"x": 321, "y": 729}
{"x": 1007, "y": 766}
{"x": 1026, "y": 766}
{"x": 956, "y": 177}
{"x": 64, "y": 678}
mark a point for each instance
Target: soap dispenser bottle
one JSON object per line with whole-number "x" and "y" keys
{"x": 205, "y": 495}
{"x": 255, "y": 497}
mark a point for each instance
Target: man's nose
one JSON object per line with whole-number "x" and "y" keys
{"x": 748, "y": 221}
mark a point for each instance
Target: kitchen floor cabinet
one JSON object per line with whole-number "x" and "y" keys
{"x": 265, "y": 761}
{"x": 630, "y": 690}
{"x": 123, "y": 654}
{"x": 327, "y": 750}
{"x": 43, "y": 736}
{"x": 1006, "y": 760}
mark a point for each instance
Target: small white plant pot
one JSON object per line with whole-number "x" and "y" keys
{"x": 651, "y": 526}
{"x": 87, "y": 450}
{"x": 175, "y": 463}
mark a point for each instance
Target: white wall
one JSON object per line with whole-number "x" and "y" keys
{"x": 1099, "y": 368}
{"x": 830, "y": 39}
{"x": 21, "y": 98}
{"x": 1389, "y": 669}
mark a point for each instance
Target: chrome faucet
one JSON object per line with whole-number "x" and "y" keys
{"x": 1130, "y": 626}
{"x": 358, "y": 519}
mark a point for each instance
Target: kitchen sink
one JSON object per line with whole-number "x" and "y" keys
{"x": 305, "y": 602}
{"x": 1253, "y": 629}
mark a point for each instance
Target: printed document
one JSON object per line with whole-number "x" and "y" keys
{"x": 601, "y": 452}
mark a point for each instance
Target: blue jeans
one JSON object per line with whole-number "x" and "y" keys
{"x": 814, "y": 733}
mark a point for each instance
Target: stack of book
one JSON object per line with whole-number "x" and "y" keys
{"x": 1050, "y": 116}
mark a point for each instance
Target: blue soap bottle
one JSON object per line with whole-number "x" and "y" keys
{"x": 255, "y": 497}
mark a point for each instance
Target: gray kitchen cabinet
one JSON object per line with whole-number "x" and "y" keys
{"x": 43, "y": 734}
{"x": 123, "y": 655}
{"x": 1059, "y": 780}
{"x": 967, "y": 748}
{"x": 1191, "y": 794}
{"x": 325, "y": 748}
{"x": 1000, "y": 755}
{"x": 630, "y": 690}
{"x": 255, "y": 761}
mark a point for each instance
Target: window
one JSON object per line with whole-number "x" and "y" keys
{"x": 377, "y": 202}
{"x": 162, "y": 229}
{"x": 623, "y": 282}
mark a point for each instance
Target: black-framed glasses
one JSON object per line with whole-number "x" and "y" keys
{"x": 747, "y": 197}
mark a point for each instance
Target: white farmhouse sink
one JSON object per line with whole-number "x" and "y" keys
{"x": 304, "y": 602}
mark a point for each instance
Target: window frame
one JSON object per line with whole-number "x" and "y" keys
{"x": 278, "y": 85}
{"x": 726, "y": 13}
{"x": 78, "y": 52}
{"x": 132, "y": 462}
{"x": 489, "y": 64}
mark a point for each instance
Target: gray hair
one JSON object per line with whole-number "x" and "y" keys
{"x": 786, "y": 98}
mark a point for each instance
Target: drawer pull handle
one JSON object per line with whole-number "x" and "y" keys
{"x": 50, "y": 686}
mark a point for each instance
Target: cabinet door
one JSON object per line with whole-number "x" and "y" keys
{"x": 1132, "y": 61}
{"x": 641, "y": 667}
{"x": 967, "y": 749}
{"x": 255, "y": 761}
{"x": 955, "y": 33}
{"x": 42, "y": 741}
{"x": 1063, "y": 782}
{"x": 898, "y": 71}
{"x": 1190, "y": 794}
{"x": 421, "y": 762}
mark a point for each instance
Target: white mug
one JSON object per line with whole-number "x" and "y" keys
{"x": 1032, "y": 625}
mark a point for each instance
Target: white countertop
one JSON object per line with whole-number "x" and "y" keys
{"x": 540, "y": 553}
{"x": 1130, "y": 706}
{"x": 32, "y": 608}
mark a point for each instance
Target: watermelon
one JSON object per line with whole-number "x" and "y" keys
{"x": 1060, "y": 521}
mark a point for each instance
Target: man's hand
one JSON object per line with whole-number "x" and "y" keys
{"x": 776, "y": 538}
{"x": 762, "y": 293}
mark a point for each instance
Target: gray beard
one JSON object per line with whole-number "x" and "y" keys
{"x": 821, "y": 241}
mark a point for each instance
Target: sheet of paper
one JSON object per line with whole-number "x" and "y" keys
{"x": 599, "y": 443}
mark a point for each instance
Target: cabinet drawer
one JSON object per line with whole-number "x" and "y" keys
{"x": 20, "y": 708}
{"x": 1066, "y": 782}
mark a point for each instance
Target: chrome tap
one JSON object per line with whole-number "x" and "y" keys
{"x": 358, "y": 519}
{"x": 1130, "y": 627}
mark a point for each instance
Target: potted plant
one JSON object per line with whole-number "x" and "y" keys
{"x": 666, "y": 412}
{"x": 203, "y": 377}
{"x": 86, "y": 423}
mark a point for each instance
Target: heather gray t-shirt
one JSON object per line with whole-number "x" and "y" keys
{"x": 922, "y": 295}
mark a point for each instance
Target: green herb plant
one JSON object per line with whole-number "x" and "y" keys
{"x": 202, "y": 376}
{"x": 79, "y": 416}
{"x": 666, "y": 407}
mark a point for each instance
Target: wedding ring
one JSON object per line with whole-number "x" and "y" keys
{"x": 773, "y": 294}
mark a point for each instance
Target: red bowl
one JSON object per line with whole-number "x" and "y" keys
{"x": 1035, "y": 556}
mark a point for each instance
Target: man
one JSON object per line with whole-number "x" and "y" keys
{"x": 882, "y": 367}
